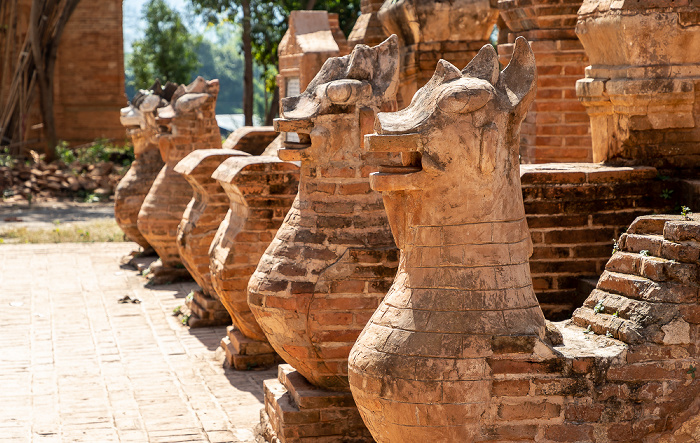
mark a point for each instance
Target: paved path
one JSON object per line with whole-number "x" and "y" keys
{"x": 76, "y": 366}
{"x": 43, "y": 215}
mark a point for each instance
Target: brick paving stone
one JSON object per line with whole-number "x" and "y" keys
{"x": 76, "y": 366}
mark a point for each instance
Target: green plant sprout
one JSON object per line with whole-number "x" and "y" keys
{"x": 686, "y": 212}
{"x": 599, "y": 307}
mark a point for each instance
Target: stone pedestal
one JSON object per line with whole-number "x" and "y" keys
{"x": 642, "y": 89}
{"x": 191, "y": 125}
{"x": 205, "y": 310}
{"x": 243, "y": 353}
{"x": 430, "y": 30}
{"x": 557, "y": 127}
{"x": 295, "y": 410}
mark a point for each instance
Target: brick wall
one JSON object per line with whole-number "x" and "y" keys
{"x": 557, "y": 128}
{"x": 574, "y": 212}
{"x": 89, "y": 75}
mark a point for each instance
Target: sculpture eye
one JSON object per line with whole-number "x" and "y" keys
{"x": 344, "y": 92}
{"x": 464, "y": 100}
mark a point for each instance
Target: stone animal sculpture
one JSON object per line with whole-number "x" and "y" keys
{"x": 139, "y": 119}
{"x": 459, "y": 350}
{"x": 196, "y": 230}
{"x": 187, "y": 124}
{"x": 260, "y": 192}
{"x": 323, "y": 274}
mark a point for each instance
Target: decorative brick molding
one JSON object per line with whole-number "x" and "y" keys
{"x": 191, "y": 123}
{"x": 643, "y": 97}
{"x": 557, "y": 128}
{"x": 429, "y": 31}
{"x": 333, "y": 257}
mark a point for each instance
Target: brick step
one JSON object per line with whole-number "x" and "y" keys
{"x": 306, "y": 395}
{"x": 654, "y": 268}
{"x": 604, "y": 324}
{"x": 683, "y": 231}
{"x": 638, "y": 311}
{"x": 658, "y": 246}
{"x": 207, "y": 302}
{"x": 641, "y": 288}
{"x": 650, "y": 224}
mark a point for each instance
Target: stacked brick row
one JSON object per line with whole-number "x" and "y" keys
{"x": 574, "y": 213}
{"x": 295, "y": 412}
{"x": 557, "y": 128}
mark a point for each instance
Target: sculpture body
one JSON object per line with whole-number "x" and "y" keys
{"x": 190, "y": 118}
{"x": 459, "y": 350}
{"x": 260, "y": 192}
{"x": 140, "y": 120}
{"x": 333, "y": 257}
{"x": 204, "y": 213}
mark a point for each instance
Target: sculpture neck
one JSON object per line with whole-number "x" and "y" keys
{"x": 479, "y": 266}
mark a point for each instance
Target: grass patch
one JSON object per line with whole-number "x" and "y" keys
{"x": 105, "y": 230}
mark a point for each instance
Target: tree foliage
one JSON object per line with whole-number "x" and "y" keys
{"x": 269, "y": 20}
{"x": 167, "y": 51}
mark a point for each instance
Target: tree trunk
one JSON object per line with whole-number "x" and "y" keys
{"x": 310, "y": 4}
{"x": 47, "y": 20}
{"x": 273, "y": 110}
{"x": 248, "y": 65}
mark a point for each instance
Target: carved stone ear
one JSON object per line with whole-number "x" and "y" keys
{"x": 519, "y": 78}
{"x": 484, "y": 66}
{"x": 445, "y": 71}
{"x": 378, "y": 65}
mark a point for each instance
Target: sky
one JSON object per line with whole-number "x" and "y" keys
{"x": 134, "y": 26}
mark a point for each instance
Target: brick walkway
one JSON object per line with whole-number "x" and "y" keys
{"x": 76, "y": 366}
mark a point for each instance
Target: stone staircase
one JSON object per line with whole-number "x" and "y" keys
{"x": 649, "y": 292}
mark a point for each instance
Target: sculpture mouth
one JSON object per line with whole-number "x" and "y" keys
{"x": 298, "y": 138}
{"x": 404, "y": 177}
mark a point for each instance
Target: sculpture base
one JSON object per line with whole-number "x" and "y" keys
{"x": 244, "y": 354}
{"x": 295, "y": 410}
{"x": 158, "y": 274}
{"x": 206, "y": 311}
